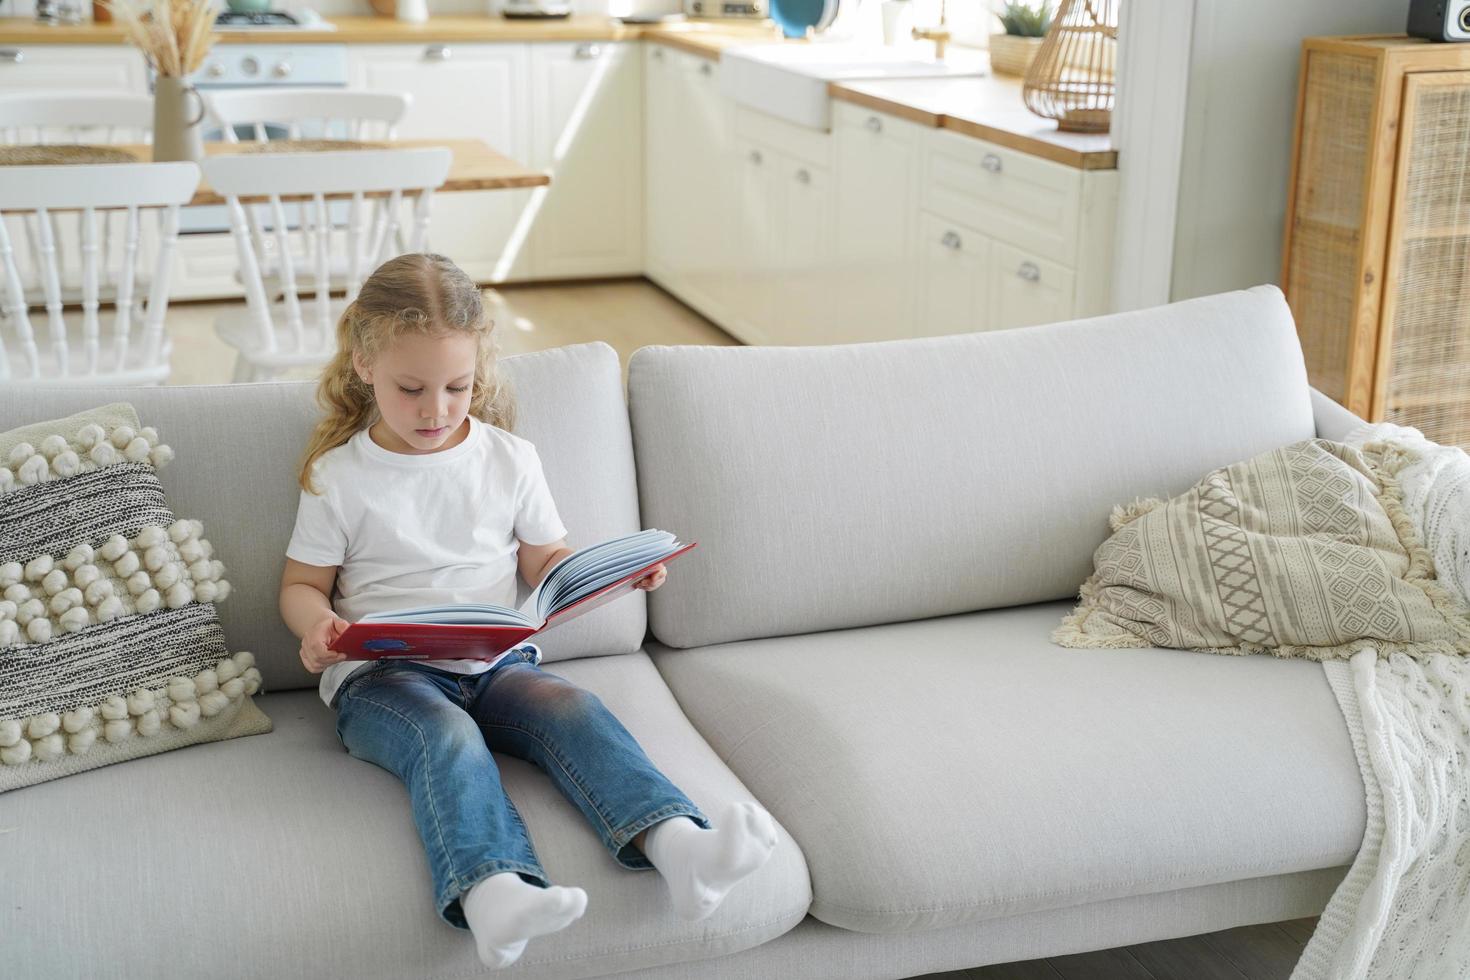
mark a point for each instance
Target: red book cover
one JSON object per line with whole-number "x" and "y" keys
{"x": 453, "y": 641}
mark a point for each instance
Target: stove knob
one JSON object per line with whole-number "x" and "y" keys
{"x": 216, "y": 70}
{"x": 250, "y": 67}
{"x": 281, "y": 70}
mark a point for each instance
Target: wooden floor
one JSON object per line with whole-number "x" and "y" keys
{"x": 634, "y": 313}
{"x": 628, "y": 314}
{"x": 1265, "y": 952}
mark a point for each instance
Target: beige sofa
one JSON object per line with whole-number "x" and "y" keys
{"x": 888, "y": 532}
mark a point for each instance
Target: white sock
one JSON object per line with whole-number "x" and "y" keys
{"x": 504, "y": 911}
{"x": 700, "y": 865}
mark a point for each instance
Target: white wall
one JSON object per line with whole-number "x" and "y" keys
{"x": 1240, "y": 112}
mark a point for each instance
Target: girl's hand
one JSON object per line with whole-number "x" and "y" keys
{"x": 653, "y": 579}
{"x": 314, "y": 653}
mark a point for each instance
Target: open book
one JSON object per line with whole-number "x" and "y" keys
{"x": 579, "y": 583}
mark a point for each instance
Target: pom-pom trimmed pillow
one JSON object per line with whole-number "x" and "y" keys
{"x": 1305, "y": 551}
{"x": 110, "y": 648}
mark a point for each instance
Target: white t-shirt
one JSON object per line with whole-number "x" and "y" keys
{"x": 417, "y": 530}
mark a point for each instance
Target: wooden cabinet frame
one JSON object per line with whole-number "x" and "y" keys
{"x": 1400, "y": 67}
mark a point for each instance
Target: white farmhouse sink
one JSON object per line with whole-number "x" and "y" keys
{"x": 789, "y": 81}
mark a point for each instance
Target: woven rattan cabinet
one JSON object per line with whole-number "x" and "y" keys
{"x": 1377, "y": 253}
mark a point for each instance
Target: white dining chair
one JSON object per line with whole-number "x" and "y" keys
{"x": 259, "y": 116}
{"x": 305, "y": 113}
{"x": 75, "y": 117}
{"x": 271, "y": 334}
{"x": 75, "y": 350}
{"x": 70, "y": 117}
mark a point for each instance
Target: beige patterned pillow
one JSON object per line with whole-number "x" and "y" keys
{"x": 1305, "y": 551}
{"x": 110, "y": 648}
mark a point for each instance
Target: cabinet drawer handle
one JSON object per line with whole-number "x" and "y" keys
{"x": 991, "y": 162}
{"x": 951, "y": 239}
{"x": 1029, "y": 271}
{"x": 803, "y": 176}
{"x": 756, "y": 158}
{"x": 706, "y": 69}
{"x": 11, "y": 56}
{"x": 875, "y": 124}
{"x": 437, "y": 52}
{"x": 586, "y": 52}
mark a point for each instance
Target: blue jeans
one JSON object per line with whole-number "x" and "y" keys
{"x": 435, "y": 731}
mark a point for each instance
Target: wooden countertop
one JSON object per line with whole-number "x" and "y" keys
{"x": 989, "y": 108}
{"x": 700, "y": 37}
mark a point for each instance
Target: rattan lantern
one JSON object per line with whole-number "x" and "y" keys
{"x": 1072, "y": 78}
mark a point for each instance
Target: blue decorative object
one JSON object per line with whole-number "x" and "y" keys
{"x": 795, "y": 16}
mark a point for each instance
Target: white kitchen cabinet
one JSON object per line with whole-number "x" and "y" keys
{"x": 1014, "y": 196}
{"x": 475, "y": 91}
{"x": 1026, "y": 289}
{"x": 808, "y": 282}
{"x": 928, "y": 232}
{"x": 662, "y": 148}
{"x": 954, "y": 278}
{"x": 875, "y": 204}
{"x": 690, "y": 181}
{"x": 1048, "y": 231}
{"x": 756, "y": 271}
{"x": 587, "y": 130}
{"x": 709, "y": 185}
{"x": 970, "y": 282}
{"x": 783, "y": 270}
{"x": 60, "y": 67}
{"x": 784, "y": 275}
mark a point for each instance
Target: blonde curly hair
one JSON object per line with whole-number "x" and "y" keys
{"x": 417, "y": 292}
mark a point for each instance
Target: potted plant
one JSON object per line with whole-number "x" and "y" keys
{"x": 1026, "y": 24}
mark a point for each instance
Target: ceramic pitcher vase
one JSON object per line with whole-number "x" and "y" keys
{"x": 178, "y": 116}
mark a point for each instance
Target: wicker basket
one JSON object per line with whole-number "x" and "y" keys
{"x": 1072, "y": 78}
{"x": 1377, "y": 253}
{"x": 1012, "y": 54}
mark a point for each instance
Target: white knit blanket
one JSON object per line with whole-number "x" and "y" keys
{"x": 1403, "y": 911}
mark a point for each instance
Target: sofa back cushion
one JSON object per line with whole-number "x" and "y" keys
{"x": 239, "y": 447}
{"x": 841, "y": 486}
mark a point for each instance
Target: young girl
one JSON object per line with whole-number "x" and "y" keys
{"x": 414, "y": 493}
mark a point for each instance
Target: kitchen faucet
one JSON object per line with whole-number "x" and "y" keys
{"x": 939, "y": 35}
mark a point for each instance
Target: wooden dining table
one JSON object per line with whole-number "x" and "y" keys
{"x": 475, "y": 166}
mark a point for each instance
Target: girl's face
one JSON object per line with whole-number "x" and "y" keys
{"x": 422, "y": 384}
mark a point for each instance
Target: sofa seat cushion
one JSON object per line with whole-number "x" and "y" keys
{"x": 280, "y": 856}
{"x": 964, "y": 768}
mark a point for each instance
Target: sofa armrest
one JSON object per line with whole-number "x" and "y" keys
{"x": 1333, "y": 421}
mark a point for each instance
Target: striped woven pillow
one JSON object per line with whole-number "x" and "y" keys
{"x": 1304, "y": 551}
{"x": 110, "y": 648}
